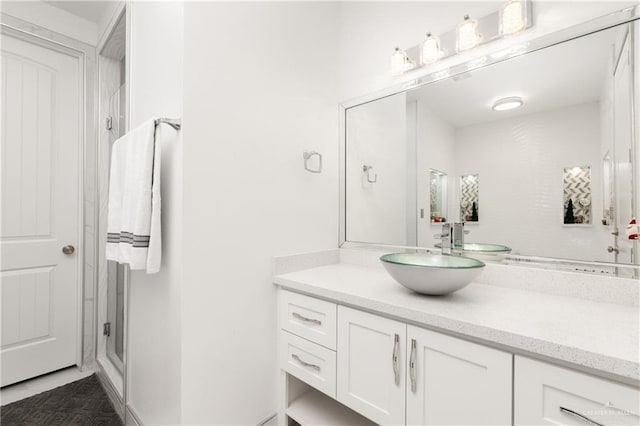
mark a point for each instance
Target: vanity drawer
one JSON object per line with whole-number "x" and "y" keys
{"x": 309, "y": 362}
{"x": 547, "y": 394}
{"x": 307, "y": 317}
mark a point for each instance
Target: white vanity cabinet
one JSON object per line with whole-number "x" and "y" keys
{"x": 545, "y": 394}
{"x": 346, "y": 366}
{"x": 372, "y": 365}
{"x": 456, "y": 382}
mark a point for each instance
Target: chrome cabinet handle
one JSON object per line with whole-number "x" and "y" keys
{"x": 412, "y": 367}
{"x": 305, "y": 364}
{"x": 305, "y": 319}
{"x": 612, "y": 249}
{"x": 577, "y": 415}
{"x": 394, "y": 358}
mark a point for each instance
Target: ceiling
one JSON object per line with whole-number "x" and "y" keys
{"x": 567, "y": 74}
{"x": 89, "y": 10}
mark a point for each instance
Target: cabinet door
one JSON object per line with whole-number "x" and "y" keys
{"x": 455, "y": 382}
{"x": 371, "y": 365}
{"x": 546, "y": 394}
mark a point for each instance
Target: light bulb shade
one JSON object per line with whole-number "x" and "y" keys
{"x": 409, "y": 64}
{"x": 398, "y": 60}
{"x": 468, "y": 35}
{"x": 512, "y": 17}
{"x": 430, "y": 50}
{"x": 401, "y": 62}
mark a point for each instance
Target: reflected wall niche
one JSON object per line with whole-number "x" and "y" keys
{"x": 577, "y": 195}
{"x": 438, "y": 196}
{"x": 469, "y": 198}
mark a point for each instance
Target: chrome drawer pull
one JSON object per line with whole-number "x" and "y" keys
{"x": 305, "y": 319}
{"x": 585, "y": 419}
{"x": 412, "y": 366}
{"x": 394, "y": 358}
{"x": 305, "y": 364}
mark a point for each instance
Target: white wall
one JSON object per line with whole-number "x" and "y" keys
{"x": 636, "y": 53}
{"x": 412, "y": 173}
{"x": 376, "y": 135}
{"x": 436, "y": 140}
{"x": 52, "y": 18}
{"x": 520, "y": 163}
{"x": 260, "y": 88}
{"x": 154, "y": 352}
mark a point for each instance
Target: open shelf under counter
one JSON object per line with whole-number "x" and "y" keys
{"x": 315, "y": 408}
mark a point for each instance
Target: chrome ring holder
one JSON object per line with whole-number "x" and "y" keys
{"x": 367, "y": 170}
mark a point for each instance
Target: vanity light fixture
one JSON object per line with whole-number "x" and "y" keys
{"x": 468, "y": 35}
{"x": 506, "y": 104}
{"x": 430, "y": 50}
{"x": 512, "y": 17}
{"x": 400, "y": 62}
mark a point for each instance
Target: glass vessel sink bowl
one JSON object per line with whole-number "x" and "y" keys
{"x": 483, "y": 251}
{"x": 432, "y": 274}
{"x": 483, "y": 248}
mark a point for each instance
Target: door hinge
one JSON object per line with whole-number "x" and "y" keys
{"x": 106, "y": 329}
{"x": 109, "y": 123}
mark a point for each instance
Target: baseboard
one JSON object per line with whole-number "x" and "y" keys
{"x": 111, "y": 392}
{"x": 131, "y": 418}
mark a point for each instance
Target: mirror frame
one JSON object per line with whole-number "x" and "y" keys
{"x": 624, "y": 16}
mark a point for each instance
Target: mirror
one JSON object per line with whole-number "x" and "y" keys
{"x": 549, "y": 133}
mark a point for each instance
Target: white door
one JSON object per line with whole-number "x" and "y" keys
{"x": 41, "y": 136}
{"x": 623, "y": 142}
{"x": 371, "y": 365}
{"x": 455, "y": 382}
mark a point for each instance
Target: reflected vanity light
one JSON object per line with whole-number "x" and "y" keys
{"x": 430, "y": 50}
{"x": 468, "y": 35}
{"x": 512, "y": 18}
{"x": 506, "y": 104}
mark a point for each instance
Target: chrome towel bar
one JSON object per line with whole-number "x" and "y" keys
{"x": 176, "y": 123}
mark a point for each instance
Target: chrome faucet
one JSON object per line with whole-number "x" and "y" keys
{"x": 447, "y": 237}
{"x": 458, "y": 237}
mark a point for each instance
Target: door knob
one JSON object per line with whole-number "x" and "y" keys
{"x": 68, "y": 249}
{"x": 613, "y": 250}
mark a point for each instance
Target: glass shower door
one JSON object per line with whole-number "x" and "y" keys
{"x": 114, "y": 328}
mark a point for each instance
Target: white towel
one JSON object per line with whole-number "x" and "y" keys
{"x": 133, "y": 225}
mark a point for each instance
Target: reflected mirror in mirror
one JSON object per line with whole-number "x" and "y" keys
{"x": 573, "y": 108}
{"x": 469, "y": 198}
{"x": 438, "y": 196}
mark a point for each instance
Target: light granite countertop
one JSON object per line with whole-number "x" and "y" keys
{"x": 601, "y": 338}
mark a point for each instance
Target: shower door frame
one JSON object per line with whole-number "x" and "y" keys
{"x": 114, "y": 380}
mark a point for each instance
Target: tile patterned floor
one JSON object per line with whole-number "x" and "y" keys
{"x": 82, "y": 402}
